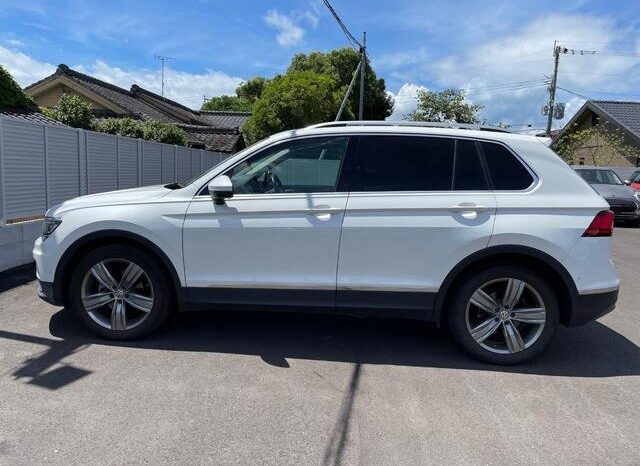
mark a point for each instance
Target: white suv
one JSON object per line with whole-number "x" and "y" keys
{"x": 483, "y": 230}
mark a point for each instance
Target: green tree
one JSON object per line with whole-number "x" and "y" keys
{"x": 295, "y": 100}
{"x": 71, "y": 110}
{"x": 154, "y": 130}
{"x": 599, "y": 144}
{"x": 151, "y": 130}
{"x": 340, "y": 65}
{"x": 252, "y": 89}
{"x": 445, "y": 106}
{"x": 227, "y": 102}
{"x": 11, "y": 94}
{"x": 121, "y": 126}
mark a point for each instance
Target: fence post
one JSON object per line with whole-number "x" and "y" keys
{"x": 117, "y": 162}
{"x": 45, "y": 136}
{"x": 175, "y": 163}
{"x": 2, "y": 208}
{"x": 140, "y": 153}
{"x": 84, "y": 169}
{"x": 201, "y": 161}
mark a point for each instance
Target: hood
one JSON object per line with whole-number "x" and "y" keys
{"x": 123, "y": 196}
{"x": 614, "y": 191}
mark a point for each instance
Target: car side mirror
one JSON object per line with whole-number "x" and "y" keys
{"x": 627, "y": 182}
{"x": 220, "y": 188}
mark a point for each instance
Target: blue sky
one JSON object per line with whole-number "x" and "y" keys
{"x": 497, "y": 50}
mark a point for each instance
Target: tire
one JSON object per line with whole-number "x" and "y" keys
{"x": 493, "y": 336}
{"x": 123, "y": 304}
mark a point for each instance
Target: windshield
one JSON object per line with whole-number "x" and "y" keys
{"x": 599, "y": 176}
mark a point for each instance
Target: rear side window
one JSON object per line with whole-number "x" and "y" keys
{"x": 507, "y": 172}
{"x": 409, "y": 163}
{"x": 403, "y": 163}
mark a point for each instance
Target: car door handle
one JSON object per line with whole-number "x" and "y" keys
{"x": 323, "y": 209}
{"x": 468, "y": 207}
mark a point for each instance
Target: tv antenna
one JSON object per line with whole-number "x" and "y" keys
{"x": 162, "y": 59}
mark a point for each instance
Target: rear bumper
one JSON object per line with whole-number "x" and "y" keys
{"x": 591, "y": 306}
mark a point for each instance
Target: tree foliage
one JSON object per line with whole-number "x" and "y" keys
{"x": 448, "y": 106}
{"x": 600, "y": 145}
{"x": 151, "y": 130}
{"x": 252, "y": 89}
{"x": 11, "y": 95}
{"x": 228, "y": 102}
{"x": 297, "y": 99}
{"x": 71, "y": 110}
{"x": 340, "y": 65}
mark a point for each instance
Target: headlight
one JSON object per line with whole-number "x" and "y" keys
{"x": 49, "y": 225}
{"x": 637, "y": 195}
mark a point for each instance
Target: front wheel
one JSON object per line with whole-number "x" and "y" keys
{"x": 120, "y": 292}
{"x": 504, "y": 314}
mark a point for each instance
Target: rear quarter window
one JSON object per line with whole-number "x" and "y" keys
{"x": 506, "y": 171}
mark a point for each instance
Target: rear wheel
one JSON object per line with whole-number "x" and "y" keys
{"x": 504, "y": 314}
{"x": 120, "y": 292}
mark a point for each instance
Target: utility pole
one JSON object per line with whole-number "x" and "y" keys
{"x": 363, "y": 66}
{"x": 162, "y": 60}
{"x": 552, "y": 86}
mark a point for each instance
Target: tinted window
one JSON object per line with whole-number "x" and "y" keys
{"x": 403, "y": 163}
{"x": 300, "y": 166}
{"x": 599, "y": 176}
{"x": 507, "y": 172}
{"x": 468, "y": 174}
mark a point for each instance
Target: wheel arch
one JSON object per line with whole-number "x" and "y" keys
{"x": 550, "y": 268}
{"x": 84, "y": 244}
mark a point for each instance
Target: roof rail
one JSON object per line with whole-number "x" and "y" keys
{"x": 425, "y": 124}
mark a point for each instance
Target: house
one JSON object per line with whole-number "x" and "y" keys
{"x": 614, "y": 115}
{"x": 211, "y": 130}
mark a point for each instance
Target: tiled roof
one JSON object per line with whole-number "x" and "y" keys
{"x": 32, "y": 116}
{"x": 224, "y": 119}
{"x": 216, "y": 130}
{"x": 215, "y": 139}
{"x": 625, "y": 114}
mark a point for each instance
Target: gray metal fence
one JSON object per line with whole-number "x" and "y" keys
{"x": 42, "y": 165}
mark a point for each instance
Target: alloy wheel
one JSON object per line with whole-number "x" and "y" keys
{"x": 117, "y": 294}
{"x": 506, "y": 315}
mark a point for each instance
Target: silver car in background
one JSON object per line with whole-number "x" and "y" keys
{"x": 624, "y": 202}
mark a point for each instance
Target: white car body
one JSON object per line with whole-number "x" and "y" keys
{"x": 395, "y": 251}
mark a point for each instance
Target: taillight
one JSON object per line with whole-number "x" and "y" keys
{"x": 602, "y": 225}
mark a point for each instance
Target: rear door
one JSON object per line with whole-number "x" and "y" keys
{"x": 418, "y": 205}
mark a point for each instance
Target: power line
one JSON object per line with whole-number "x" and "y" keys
{"x": 354, "y": 42}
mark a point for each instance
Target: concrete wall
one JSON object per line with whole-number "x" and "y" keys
{"x": 16, "y": 243}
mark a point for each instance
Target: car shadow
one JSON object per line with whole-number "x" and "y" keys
{"x": 593, "y": 350}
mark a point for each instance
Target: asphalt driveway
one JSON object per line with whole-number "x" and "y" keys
{"x": 223, "y": 388}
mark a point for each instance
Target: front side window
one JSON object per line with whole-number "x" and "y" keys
{"x": 299, "y": 166}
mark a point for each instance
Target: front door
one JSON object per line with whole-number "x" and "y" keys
{"x": 417, "y": 207}
{"x": 275, "y": 242}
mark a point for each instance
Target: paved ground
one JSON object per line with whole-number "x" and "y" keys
{"x": 281, "y": 389}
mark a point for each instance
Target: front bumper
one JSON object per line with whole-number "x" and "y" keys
{"x": 591, "y": 306}
{"x": 46, "y": 292}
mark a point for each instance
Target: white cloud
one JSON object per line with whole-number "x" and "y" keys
{"x": 289, "y": 32}
{"x": 186, "y": 88}
{"x": 24, "y": 69}
{"x": 525, "y": 57}
{"x": 405, "y": 100}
